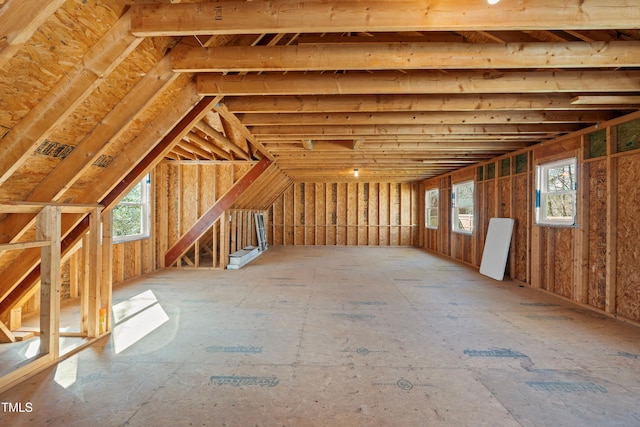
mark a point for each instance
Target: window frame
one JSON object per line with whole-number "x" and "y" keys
{"x": 454, "y": 207}
{"x": 429, "y": 209}
{"x": 145, "y": 215}
{"x": 542, "y": 192}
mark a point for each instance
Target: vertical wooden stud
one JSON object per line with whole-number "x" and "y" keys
{"x": 581, "y": 253}
{"x": 612, "y": 221}
{"x": 84, "y": 285}
{"x": 106, "y": 284}
{"x": 48, "y": 228}
{"x": 95, "y": 274}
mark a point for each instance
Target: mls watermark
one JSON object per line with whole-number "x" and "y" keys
{"x": 16, "y": 407}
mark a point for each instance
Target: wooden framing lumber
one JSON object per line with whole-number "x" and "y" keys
{"x": 419, "y": 82}
{"x": 583, "y": 100}
{"x": 6, "y": 335}
{"x": 240, "y": 127}
{"x": 25, "y": 275}
{"x": 445, "y": 129}
{"x": 212, "y": 215}
{"x": 19, "y": 21}
{"x": 60, "y": 102}
{"x": 407, "y": 56}
{"x": 221, "y": 139}
{"x": 282, "y": 16}
{"x": 424, "y": 118}
{"x": 48, "y": 228}
{"x": 390, "y": 103}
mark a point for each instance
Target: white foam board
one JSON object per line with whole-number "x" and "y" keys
{"x": 496, "y": 248}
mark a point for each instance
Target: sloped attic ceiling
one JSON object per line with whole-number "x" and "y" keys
{"x": 95, "y": 93}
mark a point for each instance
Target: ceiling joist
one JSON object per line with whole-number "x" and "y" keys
{"x": 420, "y": 82}
{"x": 407, "y": 56}
{"x": 282, "y": 16}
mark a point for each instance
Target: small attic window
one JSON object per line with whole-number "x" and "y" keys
{"x": 132, "y": 216}
{"x": 462, "y": 205}
{"x": 431, "y": 213}
{"x": 556, "y": 193}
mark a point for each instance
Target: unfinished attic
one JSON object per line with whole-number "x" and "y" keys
{"x": 360, "y": 153}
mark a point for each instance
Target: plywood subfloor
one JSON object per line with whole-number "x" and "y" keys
{"x": 342, "y": 336}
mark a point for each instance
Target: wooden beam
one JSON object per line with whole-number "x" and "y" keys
{"x": 407, "y": 56}
{"x": 221, "y": 139}
{"x": 388, "y": 103}
{"x": 48, "y": 228}
{"x": 19, "y": 21}
{"x": 114, "y": 124}
{"x": 606, "y": 100}
{"x": 60, "y": 102}
{"x": 348, "y": 130}
{"x": 431, "y": 36}
{"x": 423, "y": 118}
{"x": 24, "y": 276}
{"x": 237, "y": 124}
{"x": 282, "y": 16}
{"x": 211, "y": 216}
{"x": 95, "y": 275}
{"x": 419, "y": 82}
{"x": 6, "y": 335}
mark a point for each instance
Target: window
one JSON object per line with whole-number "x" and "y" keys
{"x": 462, "y": 202}
{"x": 556, "y": 193}
{"x": 131, "y": 217}
{"x": 431, "y": 211}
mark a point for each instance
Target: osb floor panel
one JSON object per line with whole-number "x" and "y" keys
{"x": 342, "y": 336}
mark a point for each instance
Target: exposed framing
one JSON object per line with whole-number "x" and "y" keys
{"x": 98, "y": 288}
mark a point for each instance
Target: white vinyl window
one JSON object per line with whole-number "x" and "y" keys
{"x": 431, "y": 208}
{"x": 132, "y": 215}
{"x": 462, "y": 205}
{"x": 556, "y": 193}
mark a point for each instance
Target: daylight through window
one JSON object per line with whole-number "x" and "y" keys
{"x": 431, "y": 213}
{"x": 462, "y": 202}
{"x": 556, "y": 193}
{"x": 131, "y": 217}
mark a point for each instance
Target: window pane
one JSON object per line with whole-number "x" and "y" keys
{"x": 432, "y": 218}
{"x": 561, "y": 178}
{"x": 134, "y": 196}
{"x": 433, "y": 198}
{"x": 432, "y": 208}
{"x": 463, "y": 207}
{"x": 464, "y": 219}
{"x": 559, "y": 207}
{"x": 464, "y": 195}
{"x": 127, "y": 220}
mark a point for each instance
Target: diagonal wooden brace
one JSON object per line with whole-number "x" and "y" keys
{"x": 212, "y": 215}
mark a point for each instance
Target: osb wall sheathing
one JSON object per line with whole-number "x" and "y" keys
{"x": 189, "y": 190}
{"x": 563, "y": 242}
{"x": 595, "y": 262}
{"x": 373, "y": 214}
{"x": 597, "y": 280}
{"x": 628, "y": 234}
{"x": 521, "y": 214}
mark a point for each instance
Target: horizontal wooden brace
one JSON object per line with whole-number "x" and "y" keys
{"x": 285, "y": 16}
{"x": 426, "y": 118}
{"x": 388, "y": 103}
{"x": 407, "y": 56}
{"x": 413, "y": 129}
{"x": 419, "y": 82}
